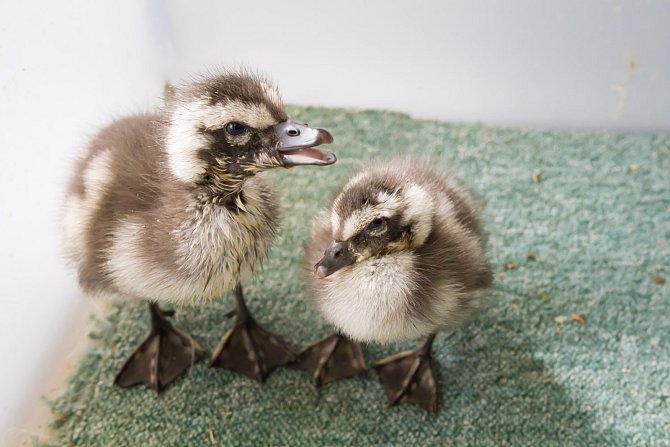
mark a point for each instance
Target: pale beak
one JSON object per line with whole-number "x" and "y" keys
{"x": 297, "y": 141}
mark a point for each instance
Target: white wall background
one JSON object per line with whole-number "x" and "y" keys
{"x": 67, "y": 68}
{"x": 560, "y": 63}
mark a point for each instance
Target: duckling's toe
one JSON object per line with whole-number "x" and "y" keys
{"x": 409, "y": 377}
{"x": 249, "y": 349}
{"x": 162, "y": 357}
{"x": 333, "y": 358}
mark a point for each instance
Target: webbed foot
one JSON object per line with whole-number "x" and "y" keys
{"x": 162, "y": 357}
{"x": 409, "y": 377}
{"x": 248, "y": 348}
{"x": 333, "y": 358}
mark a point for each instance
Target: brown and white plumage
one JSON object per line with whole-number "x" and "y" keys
{"x": 399, "y": 254}
{"x": 137, "y": 232}
{"x": 423, "y": 268}
{"x": 166, "y": 207}
{"x": 175, "y": 206}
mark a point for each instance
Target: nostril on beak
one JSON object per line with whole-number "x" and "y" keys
{"x": 293, "y": 132}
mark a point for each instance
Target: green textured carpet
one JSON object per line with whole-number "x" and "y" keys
{"x": 522, "y": 373}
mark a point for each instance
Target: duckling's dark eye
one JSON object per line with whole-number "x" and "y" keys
{"x": 375, "y": 224}
{"x": 235, "y": 129}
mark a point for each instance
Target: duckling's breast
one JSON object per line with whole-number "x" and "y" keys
{"x": 206, "y": 255}
{"x": 373, "y": 299}
{"x": 225, "y": 248}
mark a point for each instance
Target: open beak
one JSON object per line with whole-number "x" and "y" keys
{"x": 335, "y": 257}
{"x": 297, "y": 141}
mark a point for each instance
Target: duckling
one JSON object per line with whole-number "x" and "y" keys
{"x": 175, "y": 207}
{"x": 399, "y": 255}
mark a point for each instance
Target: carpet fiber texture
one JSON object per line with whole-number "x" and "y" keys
{"x": 589, "y": 235}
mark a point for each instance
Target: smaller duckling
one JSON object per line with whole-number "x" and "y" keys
{"x": 399, "y": 255}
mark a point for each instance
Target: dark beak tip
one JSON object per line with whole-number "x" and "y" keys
{"x": 326, "y": 137}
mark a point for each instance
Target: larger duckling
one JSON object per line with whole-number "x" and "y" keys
{"x": 174, "y": 208}
{"x": 399, "y": 255}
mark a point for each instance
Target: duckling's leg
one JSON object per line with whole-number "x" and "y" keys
{"x": 409, "y": 377}
{"x": 249, "y": 349}
{"x": 162, "y": 356}
{"x": 333, "y": 358}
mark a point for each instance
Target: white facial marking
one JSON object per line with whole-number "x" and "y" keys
{"x": 184, "y": 137}
{"x": 418, "y": 213}
{"x": 359, "y": 219}
{"x": 334, "y": 222}
{"x": 354, "y": 223}
{"x": 254, "y": 115}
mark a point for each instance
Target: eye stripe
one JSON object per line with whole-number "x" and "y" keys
{"x": 216, "y": 116}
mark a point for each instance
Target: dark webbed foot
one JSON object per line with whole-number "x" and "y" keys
{"x": 409, "y": 377}
{"x": 247, "y": 348}
{"x": 333, "y": 358}
{"x": 162, "y": 357}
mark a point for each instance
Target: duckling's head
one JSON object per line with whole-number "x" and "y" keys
{"x": 223, "y": 128}
{"x": 377, "y": 213}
